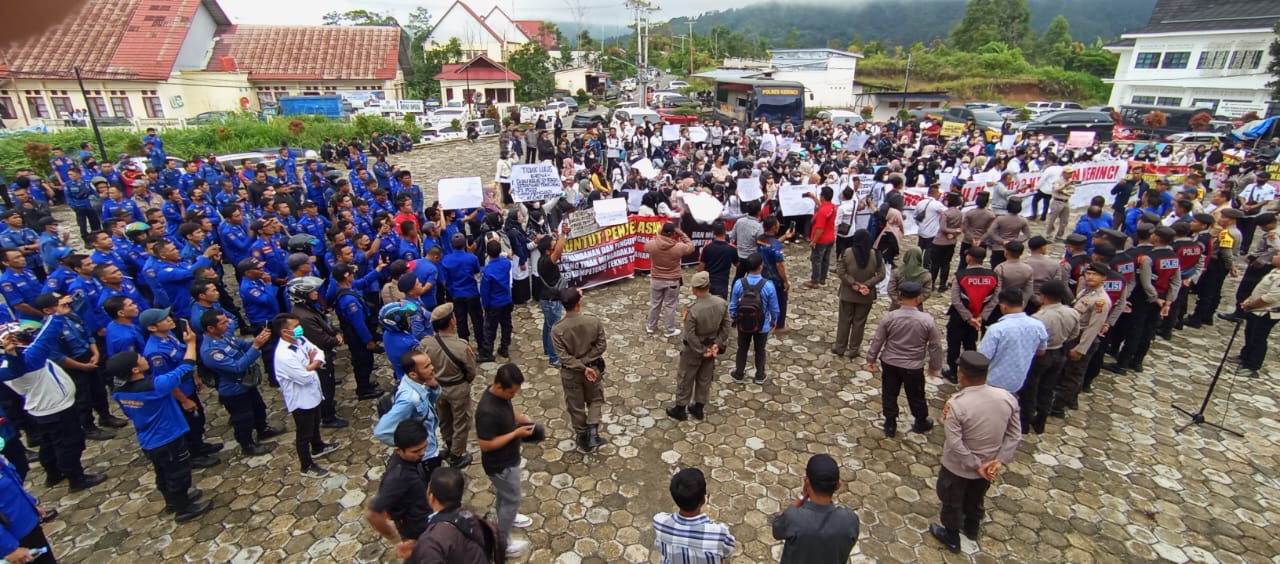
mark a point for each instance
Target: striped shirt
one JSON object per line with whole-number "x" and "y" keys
{"x": 696, "y": 540}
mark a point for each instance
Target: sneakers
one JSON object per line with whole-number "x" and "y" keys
{"x": 522, "y": 521}
{"x": 87, "y": 481}
{"x": 760, "y": 379}
{"x": 516, "y": 547}
{"x": 328, "y": 448}
{"x": 269, "y": 431}
{"x": 315, "y": 471}
{"x": 459, "y": 461}
{"x": 335, "y": 423}
{"x": 738, "y": 377}
{"x": 554, "y": 363}
{"x": 950, "y": 539}
{"x": 649, "y": 330}
{"x": 671, "y": 333}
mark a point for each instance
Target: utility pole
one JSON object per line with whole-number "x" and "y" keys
{"x": 690, "y": 22}
{"x": 93, "y": 122}
{"x": 906, "y": 82}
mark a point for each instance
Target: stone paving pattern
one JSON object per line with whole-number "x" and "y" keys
{"x": 1113, "y": 483}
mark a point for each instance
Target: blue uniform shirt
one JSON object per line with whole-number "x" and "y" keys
{"x": 15, "y": 238}
{"x": 78, "y": 193}
{"x": 427, "y": 273}
{"x": 176, "y": 281}
{"x": 74, "y": 340}
{"x": 353, "y": 313}
{"x": 259, "y": 298}
{"x": 396, "y": 344}
{"x": 110, "y": 206}
{"x": 495, "y": 283}
{"x": 59, "y": 280}
{"x": 150, "y": 405}
{"x": 164, "y": 355}
{"x": 460, "y": 270}
{"x": 18, "y": 506}
{"x": 229, "y": 358}
{"x": 197, "y": 311}
{"x": 128, "y": 290}
{"x": 20, "y": 287}
{"x": 235, "y": 241}
{"x": 49, "y": 244}
{"x": 274, "y": 258}
{"x": 121, "y": 337}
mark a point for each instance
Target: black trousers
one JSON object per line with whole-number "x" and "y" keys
{"x": 1036, "y": 199}
{"x": 926, "y": 247}
{"x": 307, "y": 435}
{"x": 1246, "y": 225}
{"x": 12, "y": 404}
{"x": 328, "y": 389}
{"x": 172, "y": 464}
{"x": 16, "y": 453}
{"x": 61, "y": 444}
{"x": 493, "y": 318}
{"x": 1209, "y": 292}
{"x": 362, "y": 366}
{"x": 1075, "y": 376}
{"x": 229, "y": 304}
{"x": 1036, "y": 395}
{"x": 1177, "y": 311}
{"x": 962, "y": 501}
{"x": 940, "y": 264}
{"x": 893, "y": 379}
{"x": 1142, "y": 328}
{"x": 248, "y": 413}
{"x": 268, "y": 352}
{"x": 997, "y": 257}
{"x": 745, "y": 342}
{"x": 1257, "y": 328}
{"x": 36, "y": 539}
{"x": 465, "y": 309}
{"x": 195, "y": 424}
{"x": 960, "y": 337}
{"x": 91, "y": 394}
{"x": 86, "y": 220}
{"x": 1249, "y": 280}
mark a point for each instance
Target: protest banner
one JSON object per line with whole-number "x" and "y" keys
{"x": 703, "y": 206}
{"x": 1080, "y": 139}
{"x": 792, "y": 199}
{"x": 698, "y": 134}
{"x": 646, "y": 228}
{"x": 460, "y": 193}
{"x": 952, "y": 129}
{"x": 602, "y": 256}
{"x": 749, "y": 189}
{"x": 610, "y": 211}
{"x": 670, "y": 132}
{"x": 533, "y": 182}
{"x": 699, "y": 234}
{"x": 646, "y": 168}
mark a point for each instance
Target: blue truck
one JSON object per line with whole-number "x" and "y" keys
{"x": 328, "y": 106}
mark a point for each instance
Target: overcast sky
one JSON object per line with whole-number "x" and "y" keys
{"x": 308, "y": 12}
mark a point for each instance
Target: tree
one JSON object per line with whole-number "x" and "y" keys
{"x": 1273, "y": 67}
{"x": 1200, "y": 121}
{"x": 532, "y": 63}
{"x": 1055, "y": 46}
{"x": 427, "y": 64}
{"x": 358, "y": 17}
{"x": 419, "y": 26}
{"x": 986, "y": 21}
{"x": 1155, "y": 120}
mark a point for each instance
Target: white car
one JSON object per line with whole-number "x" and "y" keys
{"x": 677, "y": 84}
{"x": 638, "y": 114}
{"x": 434, "y": 134}
{"x": 444, "y": 117}
{"x": 628, "y": 84}
{"x": 839, "y": 117}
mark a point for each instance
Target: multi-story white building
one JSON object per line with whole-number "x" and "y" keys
{"x": 1194, "y": 53}
{"x": 827, "y": 74}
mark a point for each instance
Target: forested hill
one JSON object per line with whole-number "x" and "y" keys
{"x": 903, "y": 22}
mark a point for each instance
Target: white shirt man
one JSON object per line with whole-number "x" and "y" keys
{"x": 1048, "y": 177}
{"x": 300, "y": 386}
{"x": 931, "y": 217}
{"x": 1257, "y": 193}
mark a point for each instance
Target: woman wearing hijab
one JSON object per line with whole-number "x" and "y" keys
{"x": 536, "y": 228}
{"x": 890, "y": 240}
{"x": 521, "y": 266}
{"x": 911, "y": 270}
{"x": 860, "y": 269}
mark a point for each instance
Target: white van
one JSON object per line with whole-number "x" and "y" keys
{"x": 840, "y": 117}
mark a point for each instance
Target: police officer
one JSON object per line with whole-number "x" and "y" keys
{"x": 455, "y": 363}
{"x": 353, "y": 317}
{"x": 1221, "y": 252}
{"x": 973, "y": 298}
{"x": 1262, "y": 310}
{"x": 1258, "y": 261}
{"x": 1063, "y": 325}
{"x": 580, "y": 343}
{"x": 1076, "y": 261}
{"x": 706, "y": 333}
{"x": 173, "y": 276}
{"x": 164, "y": 352}
{"x": 907, "y": 344}
{"x": 1094, "y": 305}
{"x": 19, "y": 285}
{"x": 146, "y": 398}
{"x": 229, "y": 358}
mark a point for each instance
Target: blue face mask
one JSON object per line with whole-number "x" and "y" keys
{"x": 297, "y": 332}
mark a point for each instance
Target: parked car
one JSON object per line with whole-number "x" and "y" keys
{"x": 990, "y": 122}
{"x": 1061, "y": 124}
{"x": 839, "y": 117}
{"x": 210, "y": 117}
{"x": 628, "y": 84}
{"x": 444, "y": 117}
{"x": 571, "y": 103}
{"x": 926, "y": 113}
{"x": 1197, "y": 137}
{"x": 486, "y": 126}
{"x": 583, "y": 120}
{"x": 637, "y": 114}
{"x": 981, "y": 105}
{"x": 432, "y": 134}
{"x": 675, "y": 101}
{"x": 677, "y": 84}
{"x": 143, "y": 163}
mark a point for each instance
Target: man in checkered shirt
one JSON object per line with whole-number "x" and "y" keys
{"x": 689, "y": 536}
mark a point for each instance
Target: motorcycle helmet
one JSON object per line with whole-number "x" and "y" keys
{"x": 299, "y": 289}
{"x": 395, "y": 316}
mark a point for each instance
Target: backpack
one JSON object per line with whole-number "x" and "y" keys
{"x": 488, "y": 537}
{"x": 751, "y": 312}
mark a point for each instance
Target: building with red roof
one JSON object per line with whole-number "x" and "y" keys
{"x": 480, "y": 80}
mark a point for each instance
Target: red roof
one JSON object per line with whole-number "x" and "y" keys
{"x": 309, "y": 52}
{"x": 479, "y": 68}
{"x": 534, "y": 31}
{"x": 110, "y": 39}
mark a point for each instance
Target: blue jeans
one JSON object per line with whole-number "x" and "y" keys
{"x": 551, "y": 312}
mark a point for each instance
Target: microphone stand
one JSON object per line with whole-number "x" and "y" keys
{"x": 1197, "y": 418}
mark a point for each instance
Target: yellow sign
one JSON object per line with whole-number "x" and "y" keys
{"x": 952, "y": 129}
{"x": 779, "y": 92}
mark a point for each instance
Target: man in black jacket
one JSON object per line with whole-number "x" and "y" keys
{"x": 304, "y": 294}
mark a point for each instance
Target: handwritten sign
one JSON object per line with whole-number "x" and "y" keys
{"x": 460, "y": 193}
{"x": 582, "y": 222}
{"x": 697, "y": 134}
{"x": 704, "y": 207}
{"x": 792, "y": 199}
{"x": 1007, "y": 141}
{"x": 1080, "y": 139}
{"x": 749, "y": 189}
{"x": 670, "y": 132}
{"x": 610, "y": 211}
{"x": 952, "y": 129}
{"x": 532, "y": 182}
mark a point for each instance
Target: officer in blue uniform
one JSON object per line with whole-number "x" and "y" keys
{"x": 353, "y": 316}
{"x": 104, "y": 250}
{"x": 78, "y": 193}
{"x": 174, "y": 276}
{"x": 228, "y": 359}
{"x": 174, "y": 210}
{"x": 123, "y": 333}
{"x": 406, "y": 186}
{"x": 23, "y": 239}
{"x": 266, "y": 249}
{"x": 313, "y": 224}
{"x": 19, "y": 285}
{"x": 146, "y": 397}
{"x": 233, "y": 234}
{"x": 113, "y": 283}
{"x": 78, "y": 355}
{"x": 460, "y": 271}
{"x": 50, "y": 242}
{"x": 164, "y": 352}
{"x": 420, "y": 317}
{"x": 61, "y": 277}
{"x": 397, "y": 334}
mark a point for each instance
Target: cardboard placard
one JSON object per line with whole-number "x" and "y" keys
{"x": 610, "y": 211}
{"x": 670, "y": 132}
{"x": 532, "y": 182}
{"x": 704, "y": 207}
{"x": 792, "y": 199}
{"x": 460, "y": 193}
{"x": 698, "y": 134}
{"x": 1080, "y": 139}
{"x": 749, "y": 189}
{"x": 952, "y": 129}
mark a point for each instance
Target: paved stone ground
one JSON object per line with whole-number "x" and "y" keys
{"x": 1113, "y": 483}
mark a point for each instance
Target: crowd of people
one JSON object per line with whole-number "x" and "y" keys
{"x": 142, "y": 312}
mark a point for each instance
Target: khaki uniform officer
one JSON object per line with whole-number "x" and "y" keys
{"x": 456, "y": 369}
{"x": 706, "y": 333}
{"x": 579, "y": 342}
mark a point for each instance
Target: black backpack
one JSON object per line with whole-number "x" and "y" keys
{"x": 487, "y": 537}
{"x": 751, "y": 312}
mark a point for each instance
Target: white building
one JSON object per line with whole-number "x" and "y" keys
{"x": 1198, "y": 54}
{"x": 827, "y": 74}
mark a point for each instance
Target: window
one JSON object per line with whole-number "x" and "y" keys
{"x": 1246, "y": 59}
{"x": 1214, "y": 59}
{"x": 153, "y": 106}
{"x": 7, "y": 109}
{"x": 37, "y": 107}
{"x": 62, "y": 106}
{"x": 97, "y": 106}
{"x": 266, "y": 98}
{"x": 1211, "y": 105}
{"x": 1176, "y": 60}
{"x": 1147, "y": 61}
{"x": 121, "y": 107}
{"x": 1143, "y": 100}
{"x": 1168, "y": 101}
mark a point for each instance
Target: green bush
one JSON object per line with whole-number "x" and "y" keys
{"x": 237, "y": 134}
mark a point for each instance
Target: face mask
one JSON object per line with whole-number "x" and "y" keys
{"x": 297, "y": 332}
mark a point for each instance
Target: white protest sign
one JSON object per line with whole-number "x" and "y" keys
{"x": 1007, "y": 141}
{"x": 646, "y": 168}
{"x": 582, "y": 222}
{"x": 704, "y": 207}
{"x": 793, "y": 200}
{"x": 610, "y": 211}
{"x": 460, "y": 193}
{"x": 634, "y": 199}
{"x": 1080, "y": 139}
{"x": 749, "y": 189}
{"x": 697, "y": 134}
{"x": 670, "y": 132}
{"x": 531, "y": 182}
{"x": 784, "y": 144}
